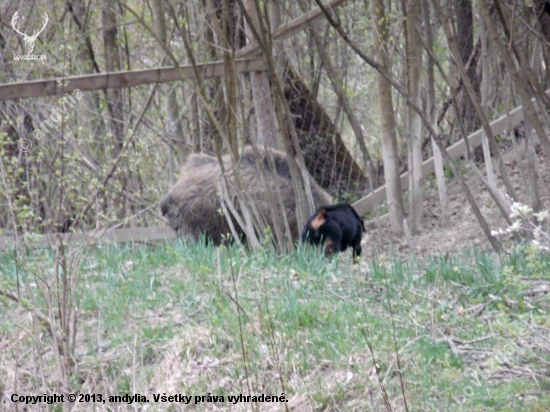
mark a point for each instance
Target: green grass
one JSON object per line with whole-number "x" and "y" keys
{"x": 472, "y": 329}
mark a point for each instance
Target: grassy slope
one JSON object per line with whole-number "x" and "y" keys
{"x": 472, "y": 330}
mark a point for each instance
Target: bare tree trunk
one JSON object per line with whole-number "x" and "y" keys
{"x": 485, "y": 69}
{"x": 196, "y": 141}
{"x": 227, "y": 101}
{"x": 114, "y": 99}
{"x": 287, "y": 140}
{"x": 493, "y": 191}
{"x": 279, "y": 58}
{"x": 451, "y": 39}
{"x": 531, "y": 180}
{"x": 261, "y": 89}
{"x": 394, "y": 193}
{"x": 519, "y": 82}
{"x": 524, "y": 67}
{"x": 112, "y": 64}
{"x": 85, "y": 50}
{"x": 209, "y": 134}
{"x": 414, "y": 129}
{"x": 531, "y": 166}
{"x": 87, "y": 63}
{"x": 172, "y": 102}
{"x": 464, "y": 19}
{"x": 542, "y": 10}
{"x": 432, "y": 113}
{"x": 86, "y": 58}
{"x": 266, "y": 122}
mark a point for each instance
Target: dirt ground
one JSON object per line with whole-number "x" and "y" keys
{"x": 465, "y": 230}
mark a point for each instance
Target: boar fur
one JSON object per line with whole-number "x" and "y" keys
{"x": 192, "y": 205}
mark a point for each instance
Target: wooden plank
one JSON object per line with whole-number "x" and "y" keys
{"x": 112, "y": 236}
{"x": 498, "y": 126}
{"x": 117, "y": 80}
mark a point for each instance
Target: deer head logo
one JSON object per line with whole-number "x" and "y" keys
{"x": 29, "y": 40}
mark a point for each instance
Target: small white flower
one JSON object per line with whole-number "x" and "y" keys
{"x": 542, "y": 215}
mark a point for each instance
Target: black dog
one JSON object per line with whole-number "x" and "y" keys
{"x": 338, "y": 226}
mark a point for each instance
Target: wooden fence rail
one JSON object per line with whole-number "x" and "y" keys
{"x": 457, "y": 150}
{"x": 118, "y": 80}
{"x": 76, "y": 239}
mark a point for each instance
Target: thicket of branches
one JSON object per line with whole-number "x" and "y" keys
{"x": 365, "y": 92}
